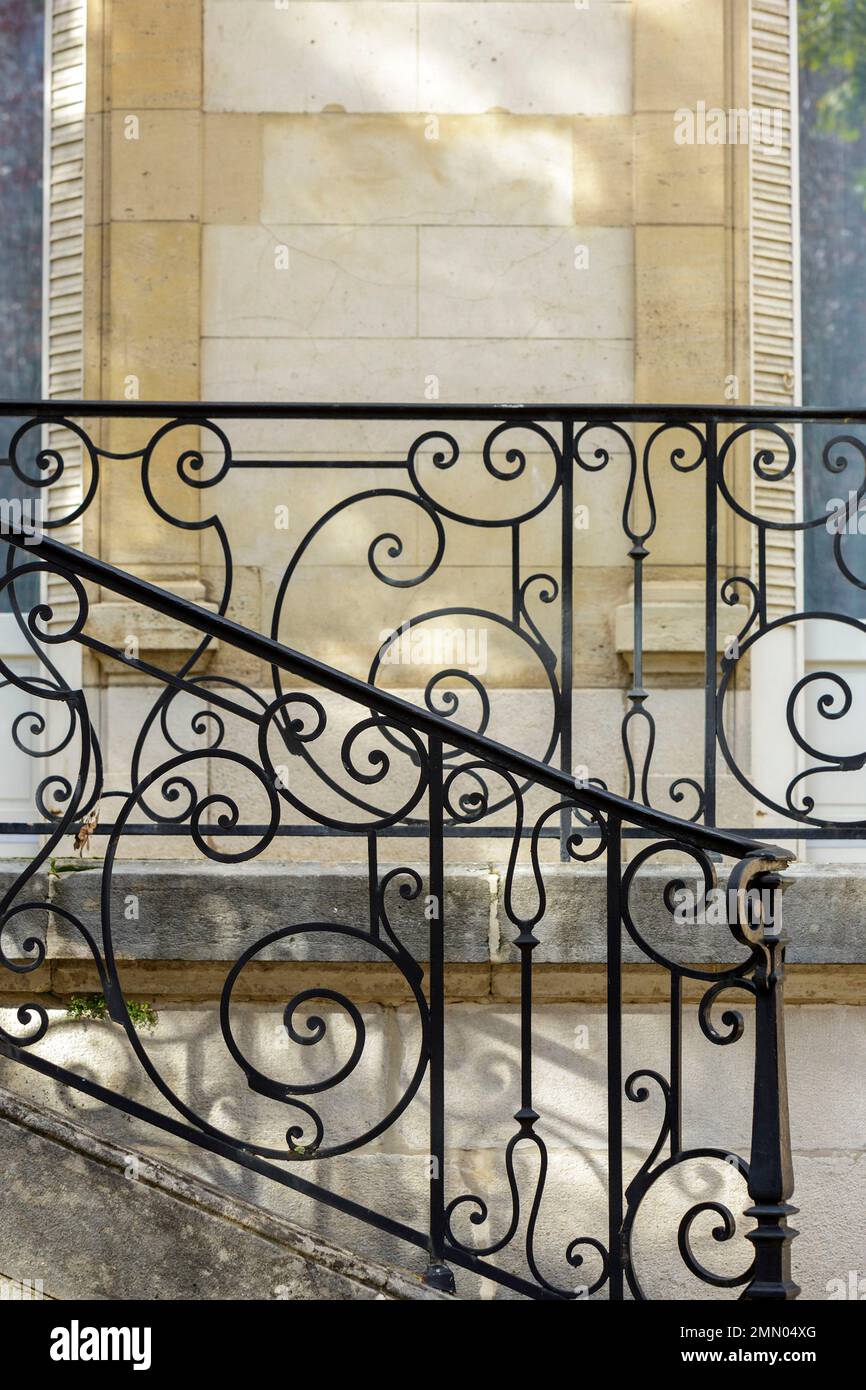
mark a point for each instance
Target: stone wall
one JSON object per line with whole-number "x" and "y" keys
{"x": 370, "y": 200}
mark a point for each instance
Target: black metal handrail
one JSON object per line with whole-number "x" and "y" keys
{"x": 198, "y": 411}
{"x": 414, "y": 742}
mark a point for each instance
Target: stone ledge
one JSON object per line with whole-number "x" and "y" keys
{"x": 674, "y": 627}
{"x": 146, "y": 634}
{"x": 202, "y": 911}
{"x": 172, "y": 982}
{"x": 206, "y": 913}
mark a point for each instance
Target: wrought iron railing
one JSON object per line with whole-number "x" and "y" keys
{"x": 718, "y": 488}
{"x": 398, "y": 760}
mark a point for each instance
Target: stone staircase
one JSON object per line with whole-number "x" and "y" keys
{"x": 81, "y": 1218}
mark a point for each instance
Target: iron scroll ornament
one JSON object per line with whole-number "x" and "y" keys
{"x": 518, "y": 442}
{"x": 833, "y": 697}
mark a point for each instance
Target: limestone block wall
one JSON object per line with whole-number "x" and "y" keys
{"x": 449, "y": 200}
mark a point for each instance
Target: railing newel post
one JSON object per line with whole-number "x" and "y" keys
{"x": 771, "y": 1176}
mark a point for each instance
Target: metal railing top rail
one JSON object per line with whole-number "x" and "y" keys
{"x": 86, "y": 567}
{"x": 52, "y": 410}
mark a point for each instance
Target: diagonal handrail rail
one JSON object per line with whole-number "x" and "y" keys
{"x": 100, "y": 572}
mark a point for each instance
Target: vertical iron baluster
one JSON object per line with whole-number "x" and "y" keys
{"x": 515, "y": 575}
{"x": 373, "y": 890}
{"x": 637, "y": 695}
{"x": 437, "y": 1274}
{"x": 638, "y": 786}
{"x": 614, "y": 1055}
{"x": 771, "y": 1175}
{"x": 526, "y": 942}
{"x": 762, "y": 576}
{"x": 566, "y": 674}
{"x": 711, "y": 581}
{"x": 676, "y": 1103}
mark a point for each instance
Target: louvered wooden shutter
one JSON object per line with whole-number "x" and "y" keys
{"x": 774, "y": 278}
{"x": 63, "y": 308}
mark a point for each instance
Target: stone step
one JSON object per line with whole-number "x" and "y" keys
{"x": 81, "y": 1219}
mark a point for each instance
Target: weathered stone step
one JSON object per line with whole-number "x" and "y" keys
{"x": 84, "y": 1219}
